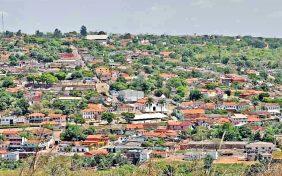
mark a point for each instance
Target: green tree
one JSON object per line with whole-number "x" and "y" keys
{"x": 195, "y": 95}
{"x": 48, "y": 78}
{"x": 38, "y": 33}
{"x": 83, "y": 31}
{"x": 8, "y": 82}
{"x": 208, "y": 160}
{"x": 73, "y": 133}
{"x": 60, "y": 75}
{"x": 57, "y": 33}
{"x": 245, "y": 131}
{"x": 162, "y": 102}
{"x": 19, "y": 33}
{"x": 128, "y": 116}
{"x": 149, "y": 101}
{"x": 108, "y": 116}
{"x": 78, "y": 119}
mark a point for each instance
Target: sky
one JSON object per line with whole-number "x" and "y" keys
{"x": 175, "y": 17}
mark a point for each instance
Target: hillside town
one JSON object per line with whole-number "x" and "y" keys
{"x": 106, "y": 100}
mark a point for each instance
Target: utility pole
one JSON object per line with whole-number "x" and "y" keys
{"x": 3, "y": 29}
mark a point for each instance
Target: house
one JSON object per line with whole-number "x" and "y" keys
{"x": 148, "y": 118}
{"x": 162, "y": 133}
{"x": 67, "y": 60}
{"x": 57, "y": 118}
{"x": 232, "y": 106}
{"x": 36, "y": 118}
{"x": 239, "y": 119}
{"x": 253, "y": 119}
{"x": 155, "y": 107}
{"x": 178, "y": 125}
{"x": 272, "y": 108}
{"x": 125, "y": 108}
{"x": 77, "y": 147}
{"x": 93, "y": 111}
{"x": 9, "y": 133}
{"x": 254, "y": 150}
{"x": 102, "y": 39}
{"x": 134, "y": 127}
{"x": 132, "y": 150}
{"x": 232, "y": 78}
{"x": 64, "y": 146}
{"x": 130, "y": 95}
{"x": 16, "y": 142}
{"x": 96, "y": 140}
{"x": 138, "y": 156}
{"x": 12, "y": 120}
{"x": 192, "y": 113}
{"x": 6, "y": 155}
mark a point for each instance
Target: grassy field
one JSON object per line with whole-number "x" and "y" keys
{"x": 157, "y": 167}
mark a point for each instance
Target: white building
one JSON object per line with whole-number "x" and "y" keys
{"x": 148, "y": 118}
{"x": 155, "y": 107}
{"x": 272, "y": 108}
{"x": 102, "y": 39}
{"x": 11, "y": 120}
{"x": 239, "y": 119}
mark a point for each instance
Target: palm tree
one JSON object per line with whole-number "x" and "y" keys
{"x": 162, "y": 102}
{"x": 149, "y": 102}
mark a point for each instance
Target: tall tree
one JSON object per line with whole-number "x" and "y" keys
{"x": 162, "y": 102}
{"x": 108, "y": 116}
{"x": 83, "y": 30}
{"x": 150, "y": 101}
{"x": 19, "y": 33}
{"x": 38, "y": 33}
{"x": 57, "y": 33}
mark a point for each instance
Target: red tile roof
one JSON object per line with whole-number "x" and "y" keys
{"x": 193, "y": 111}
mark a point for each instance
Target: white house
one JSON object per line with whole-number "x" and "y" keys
{"x": 155, "y": 107}
{"x": 79, "y": 148}
{"x": 14, "y": 156}
{"x": 238, "y": 119}
{"x": 11, "y": 120}
{"x": 272, "y": 108}
{"x": 102, "y": 39}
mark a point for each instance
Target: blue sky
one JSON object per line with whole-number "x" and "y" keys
{"x": 227, "y": 17}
